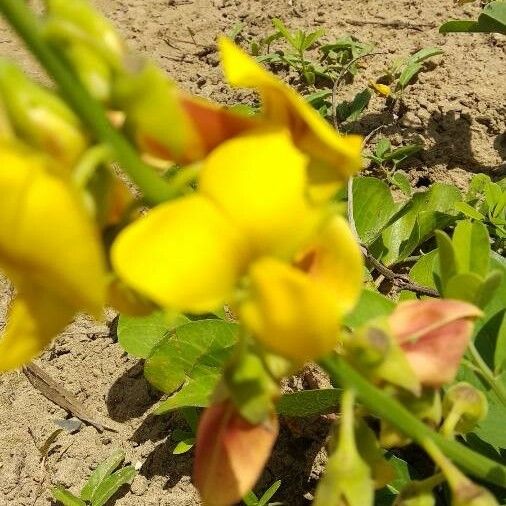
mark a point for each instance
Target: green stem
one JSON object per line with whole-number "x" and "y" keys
{"x": 26, "y": 24}
{"x": 497, "y": 386}
{"x": 395, "y": 413}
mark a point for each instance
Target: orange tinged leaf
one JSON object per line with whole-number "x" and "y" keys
{"x": 230, "y": 454}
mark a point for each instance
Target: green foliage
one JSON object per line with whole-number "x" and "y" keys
{"x": 250, "y": 499}
{"x": 351, "y": 111}
{"x": 190, "y": 362}
{"x": 185, "y": 439}
{"x": 491, "y": 20}
{"x": 403, "y": 71}
{"x": 389, "y": 158}
{"x": 464, "y": 264}
{"x": 103, "y": 483}
{"x": 307, "y": 403}
{"x": 415, "y": 222}
{"x": 138, "y": 335}
{"x": 486, "y": 202}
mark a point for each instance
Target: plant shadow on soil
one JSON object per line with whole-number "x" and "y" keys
{"x": 450, "y": 134}
{"x": 297, "y": 459}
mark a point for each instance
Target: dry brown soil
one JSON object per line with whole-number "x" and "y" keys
{"x": 456, "y": 108}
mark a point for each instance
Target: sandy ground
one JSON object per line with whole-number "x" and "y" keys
{"x": 456, "y": 108}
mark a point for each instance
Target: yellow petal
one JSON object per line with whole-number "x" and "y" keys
{"x": 259, "y": 181}
{"x": 291, "y": 313}
{"x": 183, "y": 255}
{"x": 46, "y": 238}
{"x": 334, "y": 157}
{"x": 34, "y": 319}
{"x": 334, "y": 259}
{"x": 381, "y": 89}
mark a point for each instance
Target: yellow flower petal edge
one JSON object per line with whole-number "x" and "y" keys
{"x": 334, "y": 258}
{"x": 259, "y": 181}
{"x": 46, "y": 237}
{"x": 334, "y": 157}
{"x": 183, "y": 255}
{"x": 291, "y": 313}
{"x": 34, "y": 319}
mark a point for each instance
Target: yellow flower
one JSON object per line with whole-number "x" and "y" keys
{"x": 189, "y": 254}
{"x": 297, "y": 312}
{"x": 249, "y": 237}
{"x": 48, "y": 249}
{"x": 381, "y": 89}
{"x": 183, "y": 255}
{"x": 333, "y": 157}
{"x": 259, "y": 181}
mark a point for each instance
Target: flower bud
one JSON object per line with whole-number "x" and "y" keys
{"x": 166, "y": 124}
{"x": 468, "y": 493}
{"x": 92, "y": 70}
{"x": 464, "y": 406}
{"x": 374, "y": 351}
{"x": 40, "y": 117}
{"x": 230, "y": 454}
{"x": 434, "y": 335}
{"x": 463, "y": 491}
{"x": 347, "y": 479}
{"x": 415, "y": 494}
{"x": 78, "y": 21}
{"x": 381, "y": 89}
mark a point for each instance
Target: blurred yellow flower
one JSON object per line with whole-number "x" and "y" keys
{"x": 249, "y": 237}
{"x": 296, "y": 311}
{"x": 333, "y": 157}
{"x": 49, "y": 249}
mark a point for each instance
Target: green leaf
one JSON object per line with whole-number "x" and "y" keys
{"x": 491, "y": 430}
{"x": 416, "y": 221}
{"x": 112, "y": 484}
{"x": 424, "y": 54}
{"x": 184, "y": 444}
{"x": 370, "y": 305}
{"x": 308, "y": 403}
{"x": 269, "y": 493}
{"x": 103, "y": 470}
{"x": 66, "y": 497}
{"x": 195, "y": 392}
{"x": 500, "y": 345}
{"x": 409, "y": 73}
{"x": 311, "y": 38}
{"x": 447, "y": 260}
{"x": 373, "y": 206}
{"x": 488, "y": 288}
{"x": 491, "y": 20}
{"x": 138, "y": 335}
{"x": 350, "y": 111}
{"x": 383, "y": 146}
{"x": 194, "y": 352}
{"x": 400, "y": 154}
{"x": 463, "y": 286}
{"x": 426, "y": 269}
{"x": 250, "y": 499}
{"x": 469, "y": 211}
{"x": 283, "y": 30}
{"x": 471, "y": 244}
{"x": 400, "y": 179}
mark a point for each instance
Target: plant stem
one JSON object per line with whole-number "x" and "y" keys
{"x": 26, "y": 24}
{"x": 395, "y": 413}
{"x": 497, "y": 386}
